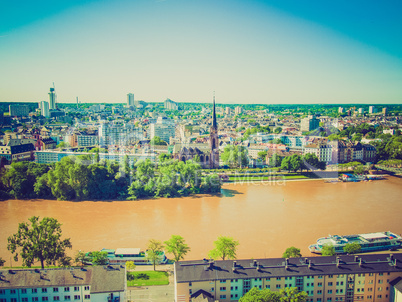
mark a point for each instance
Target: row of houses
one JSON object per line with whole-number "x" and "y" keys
{"x": 346, "y": 278}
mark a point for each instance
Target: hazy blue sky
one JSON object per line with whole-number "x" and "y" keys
{"x": 277, "y": 51}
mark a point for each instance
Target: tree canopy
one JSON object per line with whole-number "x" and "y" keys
{"x": 328, "y": 250}
{"x": 225, "y": 248}
{"x": 177, "y": 246}
{"x": 154, "y": 251}
{"x": 39, "y": 240}
{"x": 352, "y": 248}
{"x": 288, "y": 294}
{"x": 235, "y": 156}
{"x": 292, "y": 252}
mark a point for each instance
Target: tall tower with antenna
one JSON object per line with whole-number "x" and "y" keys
{"x": 213, "y": 141}
{"x": 52, "y": 98}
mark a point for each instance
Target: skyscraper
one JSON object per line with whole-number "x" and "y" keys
{"x": 52, "y": 98}
{"x": 130, "y": 99}
{"x": 44, "y": 108}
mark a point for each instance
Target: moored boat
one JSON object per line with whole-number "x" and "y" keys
{"x": 370, "y": 242}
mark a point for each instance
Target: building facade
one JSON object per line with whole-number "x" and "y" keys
{"x": 324, "y": 279}
{"x": 163, "y": 128}
{"x": 170, "y": 105}
{"x": 309, "y": 123}
{"x": 90, "y": 284}
{"x": 18, "y": 110}
{"x": 21, "y": 152}
{"x": 130, "y": 99}
{"x": 44, "y": 109}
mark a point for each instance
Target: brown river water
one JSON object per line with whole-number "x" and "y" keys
{"x": 264, "y": 218}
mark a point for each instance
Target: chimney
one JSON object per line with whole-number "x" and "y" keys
{"x": 255, "y": 263}
{"x": 234, "y": 266}
{"x": 338, "y": 261}
{"x": 309, "y": 264}
{"x": 286, "y": 263}
{"x": 360, "y": 262}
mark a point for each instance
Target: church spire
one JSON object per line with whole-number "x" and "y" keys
{"x": 214, "y": 125}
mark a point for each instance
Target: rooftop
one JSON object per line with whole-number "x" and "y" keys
{"x": 205, "y": 270}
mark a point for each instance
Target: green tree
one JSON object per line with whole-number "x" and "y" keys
{"x": 235, "y": 156}
{"x": 2, "y": 261}
{"x": 352, "y": 248}
{"x": 275, "y": 160}
{"x": 292, "y": 294}
{"x": 328, "y": 250}
{"x": 278, "y": 130}
{"x": 177, "y": 246}
{"x": 291, "y": 252}
{"x": 156, "y": 141}
{"x": 285, "y": 164}
{"x": 225, "y": 248}
{"x": 130, "y": 266}
{"x": 262, "y": 155}
{"x": 81, "y": 258}
{"x": 40, "y": 240}
{"x": 98, "y": 258}
{"x": 154, "y": 251}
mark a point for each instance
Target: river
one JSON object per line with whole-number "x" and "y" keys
{"x": 264, "y": 218}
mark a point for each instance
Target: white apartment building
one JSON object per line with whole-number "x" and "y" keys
{"x": 164, "y": 128}
{"x": 89, "y": 284}
{"x": 44, "y": 109}
{"x": 118, "y": 134}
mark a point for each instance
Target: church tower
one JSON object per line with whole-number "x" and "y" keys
{"x": 213, "y": 141}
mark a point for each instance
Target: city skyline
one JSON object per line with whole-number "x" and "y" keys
{"x": 248, "y": 52}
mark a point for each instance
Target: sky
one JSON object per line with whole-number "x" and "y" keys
{"x": 249, "y": 52}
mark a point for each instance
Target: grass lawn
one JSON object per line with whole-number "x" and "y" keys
{"x": 155, "y": 278}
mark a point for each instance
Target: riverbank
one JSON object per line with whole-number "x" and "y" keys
{"x": 266, "y": 218}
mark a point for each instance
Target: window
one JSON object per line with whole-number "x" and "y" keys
{"x": 35, "y": 299}
{"x": 12, "y": 291}
{"x": 278, "y": 286}
{"x": 319, "y": 284}
{"x": 222, "y": 281}
{"x": 370, "y": 289}
{"x": 34, "y": 290}
{"x": 45, "y": 298}
{"x": 87, "y": 297}
{"x": 2, "y": 291}
{"x": 329, "y": 283}
{"x": 212, "y": 289}
{"x": 56, "y": 298}
{"x": 380, "y": 281}
{"x": 66, "y": 289}
{"x": 44, "y": 290}
{"x": 223, "y": 288}
{"x": 23, "y": 291}
{"x": 77, "y": 297}
{"x": 13, "y": 299}
{"x": 268, "y": 286}
{"x": 379, "y": 296}
{"x": 319, "y": 292}
{"x": 86, "y": 288}
{"x": 3, "y": 300}
{"x": 330, "y": 291}
{"x": 320, "y": 277}
{"x": 76, "y": 288}
{"x": 25, "y": 299}
{"x": 267, "y": 279}
{"x": 330, "y": 276}
{"x": 55, "y": 290}
{"x": 223, "y": 296}
{"x": 380, "y": 289}
{"x": 67, "y": 298}
{"x": 381, "y": 274}
{"x": 329, "y": 299}
{"x": 278, "y": 278}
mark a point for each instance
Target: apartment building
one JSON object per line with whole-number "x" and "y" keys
{"x": 348, "y": 278}
{"x": 89, "y": 284}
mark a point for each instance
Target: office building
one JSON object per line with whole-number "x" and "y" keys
{"x": 164, "y": 128}
{"x": 18, "y": 110}
{"x": 170, "y": 105}
{"x": 238, "y": 110}
{"x": 130, "y": 100}
{"x": 340, "y": 110}
{"x": 309, "y": 123}
{"x": 347, "y": 278}
{"x": 118, "y": 134}
{"x": 52, "y": 98}
{"x": 44, "y": 109}
{"x": 372, "y": 110}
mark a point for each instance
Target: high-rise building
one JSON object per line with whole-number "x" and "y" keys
{"x": 361, "y": 110}
{"x": 52, "y": 98}
{"x": 116, "y": 134}
{"x": 163, "y": 128}
{"x": 238, "y": 110}
{"x": 130, "y": 99}
{"x": 384, "y": 110}
{"x": 18, "y": 110}
{"x": 44, "y": 109}
{"x": 340, "y": 110}
{"x": 309, "y": 123}
{"x": 170, "y": 105}
{"x": 372, "y": 110}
